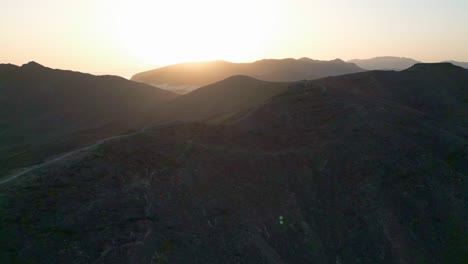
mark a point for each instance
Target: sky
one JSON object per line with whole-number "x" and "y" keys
{"x": 123, "y": 37}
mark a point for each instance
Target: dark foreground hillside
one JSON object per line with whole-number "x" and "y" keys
{"x": 44, "y": 112}
{"x": 363, "y": 168}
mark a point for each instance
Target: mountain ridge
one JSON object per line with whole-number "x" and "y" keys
{"x": 395, "y": 63}
{"x": 385, "y": 63}
{"x": 280, "y": 70}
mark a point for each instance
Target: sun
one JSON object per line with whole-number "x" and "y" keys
{"x": 166, "y": 32}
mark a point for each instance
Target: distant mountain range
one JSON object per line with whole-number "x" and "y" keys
{"x": 185, "y": 77}
{"x": 393, "y": 63}
{"x": 367, "y": 168}
{"x": 385, "y": 63}
{"x": 44, "y": 112}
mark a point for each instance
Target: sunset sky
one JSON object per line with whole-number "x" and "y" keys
{"x": 126, "y": 36}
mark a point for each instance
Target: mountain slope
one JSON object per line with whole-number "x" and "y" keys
{"x": 436, "y": 89}
{"x": 385, "y": 63}
{"x": 224, "y": 100}
{"x": 193, "y": 75}
{"x": 461, "y": 64}
{"x": 349, "y": 169}
{"x": 44, "y": 112}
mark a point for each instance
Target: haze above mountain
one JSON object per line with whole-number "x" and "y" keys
{"x": 367, "y": 167}
{"x": 185, "y": 77}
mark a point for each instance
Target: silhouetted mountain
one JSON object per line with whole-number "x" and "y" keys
{"x": 461, "y": 64}
{"x": 185, "y": 77}
{"x": 361, "y": 168}
{"x": 221, "y": 101}
{"x": 44, "y": 112}
{"x": 385, "y": 63}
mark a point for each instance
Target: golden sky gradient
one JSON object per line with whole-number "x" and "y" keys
{"x": 126, "y": 36}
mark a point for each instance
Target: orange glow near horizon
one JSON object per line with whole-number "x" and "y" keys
{"x": 126, "y": 36}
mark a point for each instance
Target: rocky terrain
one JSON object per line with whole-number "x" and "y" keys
{"x": 361, "y": 168}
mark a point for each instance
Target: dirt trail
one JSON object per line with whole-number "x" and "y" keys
{"x": 10, "y": 178}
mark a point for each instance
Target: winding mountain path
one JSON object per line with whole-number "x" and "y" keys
{"x": 68, "y": 154}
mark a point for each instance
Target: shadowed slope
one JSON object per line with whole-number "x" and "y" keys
{"x": 439, "y": 90}
{"x": 224, "y": 100}
{"x": 358, "y": 171}
{"x": 459, "y": 63}
{"x": 45, "y": 112}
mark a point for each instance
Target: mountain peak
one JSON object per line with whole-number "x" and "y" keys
{"x": 306, "y": 59}
{"x": 239, "y": 77}
{"x": 338, "y": 60}
{"x": 32, "y": 64}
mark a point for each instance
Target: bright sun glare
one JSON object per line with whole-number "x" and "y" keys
{"x": 165, "y": 32}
